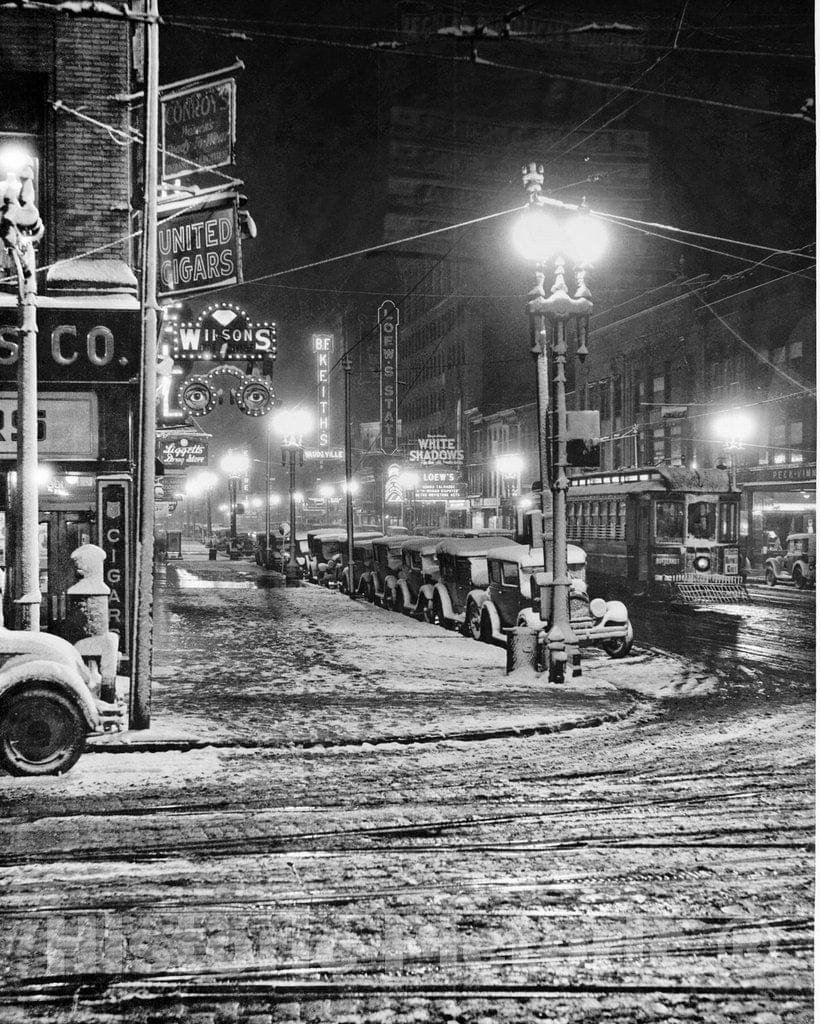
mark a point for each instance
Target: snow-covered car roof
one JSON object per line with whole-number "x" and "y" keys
{"x": 391, "y": 540}
{"x": 427, "y": 545}
{"x": 470, "y": 546}
{"x": 534, "y": 557}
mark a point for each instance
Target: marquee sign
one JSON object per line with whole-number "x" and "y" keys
{"x": 388, "y": 321}
{"x": 182, "y": 452}
{"x": 441, "y": 485}
{"x": 437, "y": 450}
{"x": 322, "y": 349}
{"x": 222, "y": 332}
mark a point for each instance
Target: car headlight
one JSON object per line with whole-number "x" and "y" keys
{"x": 597, "y": 607}
{"x": 702, "y": 563}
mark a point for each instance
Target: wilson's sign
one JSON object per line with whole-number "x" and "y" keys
{"x": 223, "y": 332}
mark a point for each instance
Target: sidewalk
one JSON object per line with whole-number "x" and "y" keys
{"x": 241, "y": 660}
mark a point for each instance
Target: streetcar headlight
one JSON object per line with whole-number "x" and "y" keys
{"x": 702, "y": 563}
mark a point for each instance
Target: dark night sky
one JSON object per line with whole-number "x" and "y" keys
{"x": 309, "y": 115}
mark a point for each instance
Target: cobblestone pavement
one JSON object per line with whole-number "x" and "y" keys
{"x": 658, "y": 867}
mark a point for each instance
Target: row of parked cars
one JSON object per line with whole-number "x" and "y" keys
{"x": 478, "y": 581}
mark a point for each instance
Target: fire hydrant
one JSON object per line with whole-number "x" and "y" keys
{"x": 88, "y": 599}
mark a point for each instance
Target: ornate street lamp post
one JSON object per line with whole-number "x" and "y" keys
{"x": 292, "y": 425}
{"x": 540, "y": 236}
{"x": 234, "y": 465}
{"x": 733, "y": 429}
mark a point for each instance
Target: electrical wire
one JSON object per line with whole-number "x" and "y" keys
{"x": 517, "y": 69}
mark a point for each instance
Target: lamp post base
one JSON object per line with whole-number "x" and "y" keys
{"x": 293, "y": 577}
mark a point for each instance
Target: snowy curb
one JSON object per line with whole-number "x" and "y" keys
{"x": 127, "y": 745}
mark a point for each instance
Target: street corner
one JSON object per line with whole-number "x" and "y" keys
{"x": 654, "y": 676}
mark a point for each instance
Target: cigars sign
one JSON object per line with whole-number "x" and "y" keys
{"x": 181, "y": 452}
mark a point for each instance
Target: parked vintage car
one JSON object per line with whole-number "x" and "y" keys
{"x": 49, "y": 703}
{"x": 379, "y": 584}
{"x": 351, "y": 580}
{"x": 417, "y": 576}
{"x": 462, "y": 563}
{"x": 796, "y": 564}
{"x": 513, "y": 598}
{"x": 326, "y": 553}
{"x": 279, "y": 553}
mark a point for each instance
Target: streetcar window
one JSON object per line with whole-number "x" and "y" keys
{"x": 510, "y": 571}
{"x": 702, "y": 520}
{"x": 669, "y": 520}
{"x": 727, "y": 522}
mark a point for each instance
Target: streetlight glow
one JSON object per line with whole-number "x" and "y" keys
{"x": 734, "y": 427}
{"x": 234, "y": 464}
{"x": 537, "y": 235}
{"x": 292, "y": 424}
{"x": 509, "y": 464}
{"x": 15, "y": 157}
{"x": 326, "y": 491}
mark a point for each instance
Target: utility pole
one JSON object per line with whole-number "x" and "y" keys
{"x": 347, "y": 366}
{"x": 140, "y": 709}
{"x": 20, "y": 229}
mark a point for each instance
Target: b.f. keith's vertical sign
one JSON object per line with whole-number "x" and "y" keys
{"x": 322, "y": 348}
{"x": 388, "y": 320}
{"x": 113, "y": 519}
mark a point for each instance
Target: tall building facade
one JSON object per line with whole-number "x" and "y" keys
{"x": 87, "y": 308}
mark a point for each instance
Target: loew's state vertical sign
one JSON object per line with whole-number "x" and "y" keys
{"x": 388, "y": 322}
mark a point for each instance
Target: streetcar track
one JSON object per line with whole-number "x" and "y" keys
{"x": 245, "y": 846}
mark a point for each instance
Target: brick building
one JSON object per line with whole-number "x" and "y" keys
{"x": 53, "y": 65}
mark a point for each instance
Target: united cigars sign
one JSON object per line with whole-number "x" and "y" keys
{"x": 198, "y": 128}
{"x": 199, "y": 250}
{"x": 181, "y": 452}
{"x": 388, "y": 321}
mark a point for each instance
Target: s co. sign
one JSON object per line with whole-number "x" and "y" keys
{"x": 80, "y": 345}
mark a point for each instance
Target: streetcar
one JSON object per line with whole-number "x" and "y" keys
{"x": 665, "y": 532}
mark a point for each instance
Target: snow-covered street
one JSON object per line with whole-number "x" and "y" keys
{"x": 341, "y": 814}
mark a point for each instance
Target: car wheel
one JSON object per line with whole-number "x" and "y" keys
{"x": 42, "y": 732}
{"x": 799, "y": 578}
{"x": 472, "y": 621}
{"x": 438, "y": 613}
{"x": 396, "y": 601}
{"x": 428, "y": 612}
{"x": 486, "y": 631}
{"x": 618, "y": 646}
{"x": 771, "y": 577}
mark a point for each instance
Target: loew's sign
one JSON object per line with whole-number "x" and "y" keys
{"x": 198, "y": 251}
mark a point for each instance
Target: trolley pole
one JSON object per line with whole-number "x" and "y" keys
{"x": 140, "y": 704}
{"x": 347, "y": 366}
{"x": 20, "y": 229}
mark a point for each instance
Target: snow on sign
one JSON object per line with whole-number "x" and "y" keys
{"x": 198, "y": 128}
